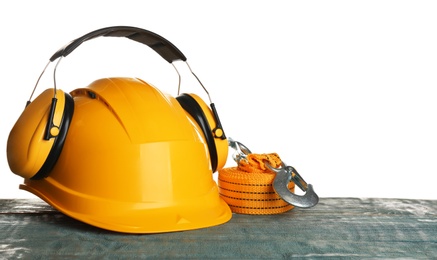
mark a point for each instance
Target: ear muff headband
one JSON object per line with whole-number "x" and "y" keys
{"x": 193, "y": 108}
{"x": 162, "y": 46}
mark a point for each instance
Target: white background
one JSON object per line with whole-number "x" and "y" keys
{"x": 342, "y": 90}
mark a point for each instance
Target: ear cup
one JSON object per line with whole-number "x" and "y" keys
{"x": 29, "y": 154}
{"x": 203, "y": 116}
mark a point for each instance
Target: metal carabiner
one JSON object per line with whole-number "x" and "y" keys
{"x": 241, "y": 151}
{"x": 284, "y": 175}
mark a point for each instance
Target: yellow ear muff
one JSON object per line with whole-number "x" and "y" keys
{"x": 208, "y": 123}
{"x": 37, "y": 138}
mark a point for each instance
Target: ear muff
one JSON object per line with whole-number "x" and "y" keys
{"x": 37, "y": 138}
{"x": 210, "y": 125}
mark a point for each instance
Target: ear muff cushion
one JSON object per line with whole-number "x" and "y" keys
{"x": 190, "y": 105}
{"x": 58, "y": 144}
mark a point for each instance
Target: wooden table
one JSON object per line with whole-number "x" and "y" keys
{"x": 359, "y": 228}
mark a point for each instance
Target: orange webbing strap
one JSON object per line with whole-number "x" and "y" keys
{"x": 247, "y": 189}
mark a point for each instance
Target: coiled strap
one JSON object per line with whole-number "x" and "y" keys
{"x": 247, "y": 188}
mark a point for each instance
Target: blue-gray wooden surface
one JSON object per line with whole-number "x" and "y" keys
{"x": 337, "y": 228}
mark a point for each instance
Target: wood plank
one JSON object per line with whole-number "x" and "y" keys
{"x": 336, "y": 228}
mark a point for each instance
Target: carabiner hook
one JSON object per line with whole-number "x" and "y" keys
{"x": 284, "y": 175}
{"x": 241, "y": 151}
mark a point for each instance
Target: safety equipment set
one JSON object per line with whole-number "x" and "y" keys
{"x": 124, "y": 156}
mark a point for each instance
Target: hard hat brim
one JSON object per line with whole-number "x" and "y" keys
{"x": 133, "y": 217}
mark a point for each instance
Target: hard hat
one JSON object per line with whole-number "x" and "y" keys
{"x": 120, "y": 154}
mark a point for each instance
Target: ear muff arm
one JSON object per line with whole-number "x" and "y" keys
{"x": 218, "y": 130}
{"x": 159, "y": 44}
{"x": 50, "y": 125}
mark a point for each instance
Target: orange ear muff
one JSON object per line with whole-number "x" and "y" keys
{"x": 37, "y": 138}
{"x": 210, "y": 126}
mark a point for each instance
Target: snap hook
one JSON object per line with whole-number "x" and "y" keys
{"x": 284, "y": 175}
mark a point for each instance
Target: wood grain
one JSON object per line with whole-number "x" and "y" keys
{"x": 337, "y": 228}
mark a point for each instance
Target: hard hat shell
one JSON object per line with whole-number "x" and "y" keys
{"x": 133, "y": 162}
